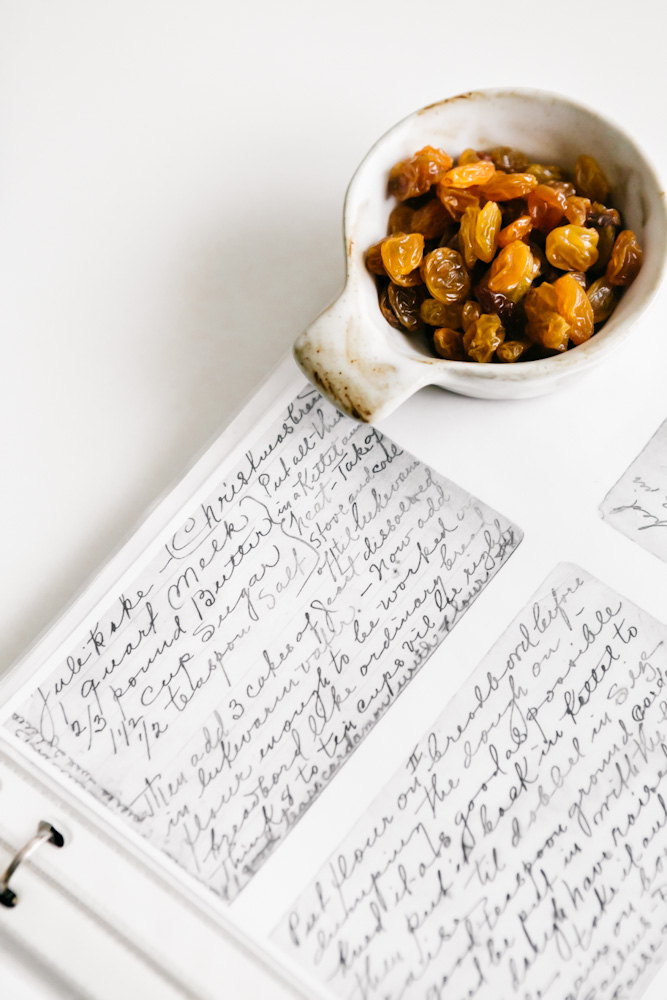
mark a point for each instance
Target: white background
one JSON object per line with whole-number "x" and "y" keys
{"x": 171, "y": 185}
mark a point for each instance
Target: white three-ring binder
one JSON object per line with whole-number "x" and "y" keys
{"x": 104, "y": 916}
{"x": 168, "y": 747}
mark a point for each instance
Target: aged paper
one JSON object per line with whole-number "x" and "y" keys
{"x": 521, "y": 851}
{"x": 637, "y": 505}
{"x": 212, "y": 700}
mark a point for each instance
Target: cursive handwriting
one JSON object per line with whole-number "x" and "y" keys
{"x": 212, "y": 700}
{"x": 522, "y": 849}
{"x": 637, "y": 504}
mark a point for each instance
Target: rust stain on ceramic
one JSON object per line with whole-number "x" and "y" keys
{"x": 335, "y": 384}
{"x": 470, "y": 95}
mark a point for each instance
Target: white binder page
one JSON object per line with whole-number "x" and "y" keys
{"x": 209, "y": 695}
{"x": 637, "y": 504}
{"x": 520, "y": 850}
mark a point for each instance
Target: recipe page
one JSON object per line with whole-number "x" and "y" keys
{"x": 520, "y": 851}
{"x": 637, "y": 505}
{"x": 212, "y": 700}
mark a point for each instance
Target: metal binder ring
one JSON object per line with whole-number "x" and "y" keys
{"x": 45, "y": 834}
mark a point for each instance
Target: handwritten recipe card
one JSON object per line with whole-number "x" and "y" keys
{"x": 212, "y": 700}
{"x": 521, "y": 851}
{"x": 637, "y": 505}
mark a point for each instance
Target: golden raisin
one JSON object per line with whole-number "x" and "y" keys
{"x": 450, "y": 237}
{"x": 470, "y": 314}
{"x": 387, "y": 311}
{"x": 485, "y": 232}
{"x": 545, "y": 325}
{"x": 540, "y": 299}
{"x": 452, "y": 240}
{"x": 512, "y": 209}
{"x": 468, "y": 156}
{"x": 545, "y": 172}
{"x": 374, "y": 261}
{"x": 479, "y": 233}
{"x": 569, "y": 190}
{"x": 503, "y": 187}
{"x": 572, "y": 248}
{"x": 546, "y": 207}
{"x": 456, "y": 200}
{"x": 401, "y": 254}
{"x": 626, "y": 259}
{"x": 509, "y": 159}
{"x": 524, "y": 220}
{"x": 590, "y": 178}
{"x": 512, "y": 350}
{"x": 449, "y": 344}
{"x": 408, "y": 280}
{"x": 405, "y": 303}
{"x": 603, "y": 298}
{"x": 580, "y": 277}
{"x": 430, "y": 220}
{"x": 601, "y": 216}
{"x": 468, "y": 223}
{"x": 445, "y": 275}
{"x": 547, "y": 271}
{"x": 441, "y": 313}
{"x": 576, "y": 210}
{"x": 574, "y": 307}
{"x": 400, "y": 220}
{"x": 551, "y": 332}
{"x": 469, "y": 174}
{"x": 516, "y": 230}
{"x": 496, "y": 302}
{"x": 415, "y": 176}
{"x": 513, "y": 270}
{"x": 483, "y": 337}
{"x": 606, "y": 240}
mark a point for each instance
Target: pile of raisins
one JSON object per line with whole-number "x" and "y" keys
{"x": 500, "y": 259}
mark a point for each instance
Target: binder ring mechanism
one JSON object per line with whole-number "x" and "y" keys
{"x": 46, "y": 834}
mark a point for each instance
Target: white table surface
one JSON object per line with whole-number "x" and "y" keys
{"x": 171, "y": 182}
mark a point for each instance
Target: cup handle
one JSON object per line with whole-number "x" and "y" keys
{"x": 351, "y": 363}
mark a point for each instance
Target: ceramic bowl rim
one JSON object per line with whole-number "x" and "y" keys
{"x": 598, "y": 345}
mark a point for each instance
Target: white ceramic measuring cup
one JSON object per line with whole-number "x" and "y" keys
{"x": 367, "y": 368}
